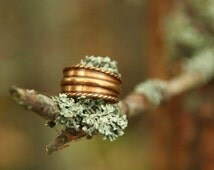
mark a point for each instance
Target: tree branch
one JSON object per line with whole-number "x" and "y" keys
{"x": 145, "y": 97}
{"x": 131, "y": 105}
{"x": 137, "y": 103}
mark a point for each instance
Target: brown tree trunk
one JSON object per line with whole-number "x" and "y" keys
{"x": 205, "y": 147}
{"x": 172, "y": 128}
{"x": 161, "y": 126}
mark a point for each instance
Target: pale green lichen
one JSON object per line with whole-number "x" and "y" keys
{"x": 104, "y": 63}
{"x": 202, "y": 63}
{"x": 180, "y": 30}
{"x": 93, "y": 116}
{"x": 154, "y": 90}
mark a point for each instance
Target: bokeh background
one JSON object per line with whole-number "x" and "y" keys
{"x": 39, "y": 38}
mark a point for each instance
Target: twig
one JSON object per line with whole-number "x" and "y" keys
{"x": 62, "y": 140}
{"x": 151, "y": 93}
{"x": 131, "y": 105}
{"x": 137, "y": 103}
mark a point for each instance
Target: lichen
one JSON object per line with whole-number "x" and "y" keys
{"x": 104, "y": 63}
{"x": 90, "y": 115}
{"x": 181, "y": 31}
{"x": 154, "y": 90}
{"x": 202, "y": 63}
{"x": 93, "y": 116}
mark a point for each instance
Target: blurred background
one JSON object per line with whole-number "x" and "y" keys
{"x": 39, "y": 38}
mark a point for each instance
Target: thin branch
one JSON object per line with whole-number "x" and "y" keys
{"x": 133, "y": 104}
{"x": 137, "y": 103}
{"x": 62, "y": 140}
{"x": 149, "y": 94}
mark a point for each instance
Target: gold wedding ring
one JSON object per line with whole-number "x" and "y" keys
{"x": 80, "y": 80}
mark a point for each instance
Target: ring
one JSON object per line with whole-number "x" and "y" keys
{"x": 81, "y": 80}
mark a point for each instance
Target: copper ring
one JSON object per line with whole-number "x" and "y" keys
{"x": 93, "y": 82}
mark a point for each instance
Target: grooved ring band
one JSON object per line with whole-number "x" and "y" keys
{"x": 93, "y": 82}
